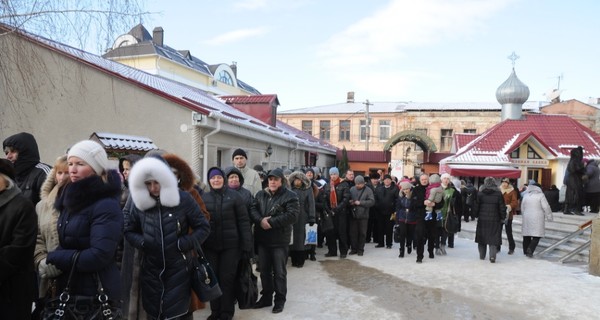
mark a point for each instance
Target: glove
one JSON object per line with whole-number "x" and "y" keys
{"x": 42, "y": 267}
{"x": 52, "y": 271}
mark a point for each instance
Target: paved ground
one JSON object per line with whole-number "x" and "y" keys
{"x": 380, "y": 285}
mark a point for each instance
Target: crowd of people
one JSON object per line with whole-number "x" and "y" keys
{"x": 135, "y": 227}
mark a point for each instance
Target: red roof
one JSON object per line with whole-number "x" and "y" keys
{"x": 258, "y": 99}
{"x": 558, "y": 133}
{"x": 462, "y": 139}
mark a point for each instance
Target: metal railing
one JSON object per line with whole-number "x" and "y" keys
{"x": 580, "y": 230}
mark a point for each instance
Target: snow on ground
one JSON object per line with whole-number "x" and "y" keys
{"x": 379, "y": 285}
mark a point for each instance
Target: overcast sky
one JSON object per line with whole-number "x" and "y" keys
{"x": 311, "y": 52}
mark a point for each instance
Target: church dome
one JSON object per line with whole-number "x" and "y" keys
{"x": 512, "y": 91}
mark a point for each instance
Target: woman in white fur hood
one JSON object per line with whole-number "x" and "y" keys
{"x": 158, "y": 225}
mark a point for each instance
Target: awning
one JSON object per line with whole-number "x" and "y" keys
{"x": 471, "y": 170}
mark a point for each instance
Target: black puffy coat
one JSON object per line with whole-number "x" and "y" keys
{"x": 229, "y": 220}
{"x": 283, "y": 208}
{"x": 90, "y": 221}
{"x": 162, "y": 234}
{"x": 18, "y": 230}
{"x": 385, "y": 199}
{"x": 491, "y": 213}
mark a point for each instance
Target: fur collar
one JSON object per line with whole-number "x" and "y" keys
{"x": 153, "y": 169}
{"x": 81, "y": 194}
{"x": 506, "y": 190}
{"x": 186, "y": 174}
{"x": 299, "y": 175}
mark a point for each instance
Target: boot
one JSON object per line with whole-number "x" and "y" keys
{"x": 443, "y": 249}
{"x": 401, "y": 253}
{"x": 439, "y": 216}
{"x": 312, "y": 257}
{"x": 429, "y": 216}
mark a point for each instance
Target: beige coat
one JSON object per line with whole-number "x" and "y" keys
{"x": 47, "y": 238}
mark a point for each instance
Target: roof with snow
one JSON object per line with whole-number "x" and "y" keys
{"x": 124, "y": 142}
{"x": 391, "y": 107}
{"x": 146, "y": 46}
{"x": 189, "y": 97}
{"x": 556, "y": 133}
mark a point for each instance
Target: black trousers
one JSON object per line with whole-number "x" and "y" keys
{"x": 385, "y": 228}
{"x": 530, "y": 243}
{"x": 425, "y": 231}
{"x": 225, "y": 264}
{"x": 338, "y": 234}
{"x": 273, "y": 272}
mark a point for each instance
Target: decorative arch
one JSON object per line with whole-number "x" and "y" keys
{"x": 417, "y": 137}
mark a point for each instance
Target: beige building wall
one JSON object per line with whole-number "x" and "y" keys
{"x": 61, "y": 100}
{"x": 433, "y": 122}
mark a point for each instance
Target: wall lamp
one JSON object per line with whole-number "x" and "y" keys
{"x": 269, "y": 151}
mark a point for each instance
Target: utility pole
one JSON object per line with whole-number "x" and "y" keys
{"x": 367, "y": 124}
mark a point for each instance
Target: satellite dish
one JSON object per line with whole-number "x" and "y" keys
{"x": 553, "y": 94}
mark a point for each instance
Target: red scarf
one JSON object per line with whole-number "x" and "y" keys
{"x": 332, "y": 195}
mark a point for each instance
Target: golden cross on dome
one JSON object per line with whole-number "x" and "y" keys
{"x": 513, "y": 57}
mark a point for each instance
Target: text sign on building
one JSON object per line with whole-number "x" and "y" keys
{"x": 530, "y": 162}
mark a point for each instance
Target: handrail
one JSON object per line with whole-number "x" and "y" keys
{"x": 575, "y": 252}
{"x": 572, "y": 235}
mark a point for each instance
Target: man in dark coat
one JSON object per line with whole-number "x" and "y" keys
{"x": 385, "y": 204}
{"x": 425, "y": 230}
{"x": 274, "y": 211}
{"x": 574, "y": 182}
{"x": 22, "y": 150}
{"x": 18, "y": 230}
{"x": 339, "y": 201}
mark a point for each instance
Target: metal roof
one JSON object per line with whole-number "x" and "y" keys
{"x": 392, "y": 107}
{"x": 187, "y": 96}
{"x": 557, "y": 133}
{"x": 124, "y": 142}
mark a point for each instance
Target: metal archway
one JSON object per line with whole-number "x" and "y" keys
{"x": 417, "y": 137}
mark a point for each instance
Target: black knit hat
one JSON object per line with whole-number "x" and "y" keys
{"x": 239, "y": 152}
{"x": 7, "y": 169}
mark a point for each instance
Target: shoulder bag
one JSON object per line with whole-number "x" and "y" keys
{"x": 204, "y": 279}
{"x": 76, "y": 307}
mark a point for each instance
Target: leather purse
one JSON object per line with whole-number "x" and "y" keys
{"x": 204, "y": 279}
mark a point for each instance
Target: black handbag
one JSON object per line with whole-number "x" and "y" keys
{"x": 76, "y": 307}
{"x": 327, "y": 221}
{"x": 204, "y": 279}
{"x": 246, "y": 291}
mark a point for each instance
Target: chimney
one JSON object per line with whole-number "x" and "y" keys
{"x": 233, "y": 67}
{"x": 158, "y": 36}
{"x": 350, "y": 97}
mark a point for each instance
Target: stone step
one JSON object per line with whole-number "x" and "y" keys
{"x": 562, "y": 226}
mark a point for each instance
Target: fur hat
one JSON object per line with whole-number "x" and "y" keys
{"x": 153, "y": 169}
{"x": 92, "y": 153}
{"x": 7, "y": 169}
{"x": 239, "y": 152}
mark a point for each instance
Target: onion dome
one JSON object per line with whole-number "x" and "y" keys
{"x": 512, "y": 91}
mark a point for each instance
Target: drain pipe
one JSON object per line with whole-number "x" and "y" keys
{"x": 205, "y": 148}
{"x": 292, "y": 151}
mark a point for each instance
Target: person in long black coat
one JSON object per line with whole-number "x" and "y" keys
{"x": 574, "y": 182}
{"x": 18, "y": 230}
{"x": 490, "y": 212}
{"x": 552, "y": 195}
{"x": 229, "y": 239}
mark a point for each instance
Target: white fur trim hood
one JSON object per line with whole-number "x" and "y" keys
{"x": 153, "y": 169}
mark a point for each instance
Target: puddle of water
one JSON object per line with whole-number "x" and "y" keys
{"x": 412, "y": 301}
